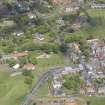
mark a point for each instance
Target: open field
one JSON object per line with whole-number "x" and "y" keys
{"x": 101, "y": 1}
{"x": 43, "y": 91}
{"x": 12, "y": 89}
{"x": 54, "y": 60}
{"x": 96, "y": 100}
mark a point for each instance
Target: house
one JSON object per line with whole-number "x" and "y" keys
{"x": 97, "y": 6}
{"x": 61, "y": 22}
{"x": 72, "y": 6}
{"x": 71, "y": 9}
{"x": 92, "y": 40}
{"x": 60, "y": 1}
{"x": 71, "y": 70}
{"x": 76, "y": 47}
{"x": 39, "y": 36}
{"x": 78, "y": 21}
{"x": 56, "y": 84}
{"x": 101, "y": 90}
{"x": 16, "y": 66}
{"x": 4, "y": 10}
{"x": 90, "y": 90}
{"x": 57, "y": 87}
{"x": 71, "y": 103}
{"x": 29, "y": 66}
{"x": 31, "y": 15}
{"x": 35, "y": 1}
{"x": 16, "y": 55}
{"x": 18, "y": 33}
{"x": 22, "y": 7}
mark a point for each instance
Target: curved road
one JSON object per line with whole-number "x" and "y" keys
{"x": 28, "y": 99}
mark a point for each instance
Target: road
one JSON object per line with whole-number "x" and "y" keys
{"x": 29, "y": 98}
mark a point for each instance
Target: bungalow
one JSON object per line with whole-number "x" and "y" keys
{"x": 35, "y": 1}
{"x": 56, "y": 84}
{"x": 31, "y": 15}
{"x": 72, "y": 9}
{"x": 71, "y": 70}
{"x": 78, "y": 21}
{"x": 18, "y": 33}
{"x": 61, "y": 22}
{"x": 101, "y": 90}
{"x": 29, "y": 66}
{"x": 72, "y": 6}
{"x": 16, "y": 55}
{"x": 4, "y": 10}
{"x": 76, "y": 47}
{"x": 71, "y": 103}
{"x": 22, "y": 7}
{"x": 39, "y": 36}
{"x": 92, "y": 40}
{"x": 90, "y": 90}
{"x": 98, "y": 6}
{"x": 60, "y": 1}
{"x": 16, "y": 66}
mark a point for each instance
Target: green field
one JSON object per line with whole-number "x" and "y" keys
{"x": 96, "y": 100}
{"x": 101, "y": 1}
{"x": 54, "y": 60}
{"x": 12, "y": 89}
{"x": 43, "y": 91}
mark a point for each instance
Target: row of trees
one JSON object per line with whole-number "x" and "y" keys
{"x": 28, "y": 77}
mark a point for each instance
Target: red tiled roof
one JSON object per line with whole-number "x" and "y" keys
{"x": 70, "y": 103}
{"x": 16, "y": 55}
{"x": 29, "y": 66}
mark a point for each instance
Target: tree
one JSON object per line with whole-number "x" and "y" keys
{"x": 88, "y": 102}
{"x": 34, "y": 103}
{"x": 23, "y": 60}
{"x": 26, "y": 73}
{"x": 84, "y": 47}
{"x": 28, "y": 80}
{"x": 32, "y": 59}
{"x": 73, "y": 38}
{"x": 11, "y": 62}
{"x": 63, "y": 48}
{"x": 8, "y": 49}
{"x": 73, "y": 82}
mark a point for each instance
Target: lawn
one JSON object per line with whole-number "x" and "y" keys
{"x": 12, "y": 89}
{"x": 43, "y": 91}
{"x": 54, "y": 61}
{"x": 96, "y": 100}
{"x": 46, "y": 89}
